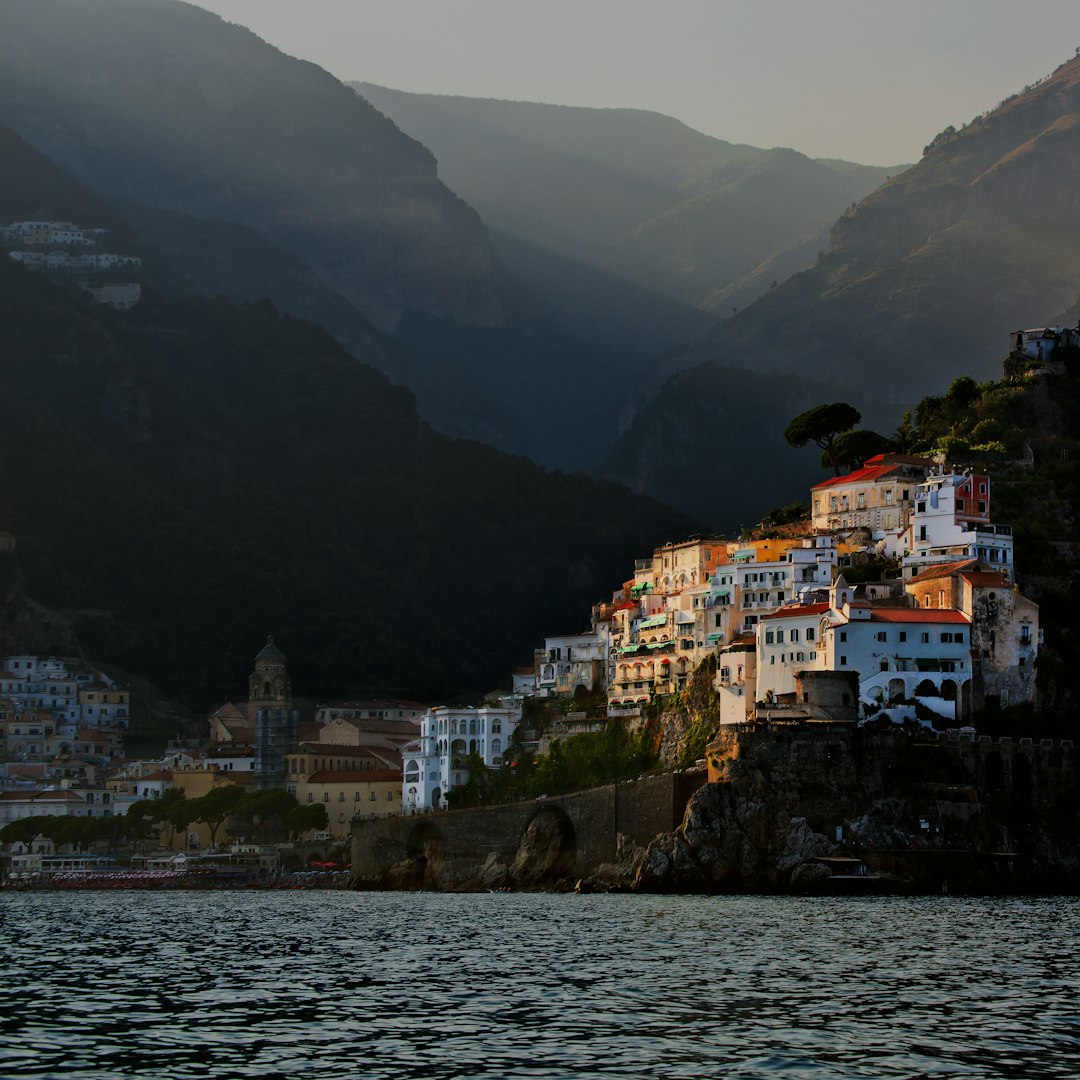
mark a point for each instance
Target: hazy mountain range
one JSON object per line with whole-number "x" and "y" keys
{"x": 923, "y": 282}
{"x": 632, "y": 193}
{"x": 254, "y": 452}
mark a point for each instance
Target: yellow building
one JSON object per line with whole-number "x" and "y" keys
{"x": 352, "y": 793}
{"x": 879, "y": 496}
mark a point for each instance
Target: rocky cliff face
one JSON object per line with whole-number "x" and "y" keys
{"x": 165, "y": 104}
{"x": 917, "y": 811}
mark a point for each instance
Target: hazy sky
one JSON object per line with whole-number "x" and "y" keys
{"x": 861, "y": 79}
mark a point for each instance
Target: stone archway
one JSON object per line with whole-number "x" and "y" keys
{"x": 547, "y": 850}
{"x": 424, "y": 850}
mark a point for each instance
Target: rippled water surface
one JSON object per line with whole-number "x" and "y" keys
{"x": 303, "y": 984}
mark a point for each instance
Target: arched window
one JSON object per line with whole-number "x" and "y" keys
{"x": 496, "y": 746}
{"x": 472, "y": 725}
{"x": 496, "y": 727}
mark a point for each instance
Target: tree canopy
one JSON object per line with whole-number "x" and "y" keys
{"x": 820, "y": 425}
{"x": 851, "y": 448}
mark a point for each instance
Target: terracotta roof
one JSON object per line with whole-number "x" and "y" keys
{"x": 874, "y": 468}
{"x": 865, "y": 475}
{"x": 391, "y": 758}
{"x": 986, "y": 577}
{"x": 373, "y": 776}
{"x": 797, "y": 611}
{"x": 944, "y": 570}
{"x": 918, "y": 615}
{"x": 342, "y": 750}
{"x": 161, "y": 774}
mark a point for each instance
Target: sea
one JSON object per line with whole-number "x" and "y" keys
{"x": 341, "y": 984}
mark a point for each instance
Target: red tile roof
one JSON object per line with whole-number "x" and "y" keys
{"x": 987, "y": 577}
{"x": 865, "y": 475}
{"x": 944, "y": 570}
{"x": 796, "y": 611}
{"x": 918, "y": 615}
{"x": 373, "y": 776}
{"x": 874, "y": 469}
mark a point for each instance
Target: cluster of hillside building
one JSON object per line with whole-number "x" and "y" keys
{"x": 62, "y": 728}
{"x": 901, "y": 577}
{"x": 898, "y": 599}
{"x": 62, "y": 246}
{"x": 62, "y": 724}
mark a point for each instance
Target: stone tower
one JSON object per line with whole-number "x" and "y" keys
{"x": 269, "y": 685}
{"x": 271, "y": 714}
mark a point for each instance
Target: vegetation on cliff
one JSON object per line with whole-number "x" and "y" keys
{"x": 188, "y": 475}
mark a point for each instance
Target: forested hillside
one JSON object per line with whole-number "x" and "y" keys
{"x": 184, "y": 478}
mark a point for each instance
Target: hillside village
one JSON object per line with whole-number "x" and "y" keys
{"x": 63, "y": 247}
{"x": 892, "y": 600}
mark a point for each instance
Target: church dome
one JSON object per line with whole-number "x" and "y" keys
{"x": 270, "y": 651}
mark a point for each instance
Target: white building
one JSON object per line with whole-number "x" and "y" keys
{"x": 438, "y": 762}
{"x": 951, "y": 521}
{"x": 570, "y": 661}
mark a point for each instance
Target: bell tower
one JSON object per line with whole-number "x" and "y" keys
{"x": 269, "y": 685}
{"x": 271, "y": 714}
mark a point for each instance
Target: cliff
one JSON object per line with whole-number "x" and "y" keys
{"x": 788, "y": 805}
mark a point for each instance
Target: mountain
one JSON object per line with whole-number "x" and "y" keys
{"x": 628, "y": 192}
{"x": 255, "y": 174}
{"x": 186, "y": 476}
{"x": 712, "y": 442}
{"x": 162, "y": 103}
{"x": 924, "y": 279}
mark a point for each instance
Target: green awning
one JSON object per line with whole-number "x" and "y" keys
{"x": 715, "y": 637}
{"x": 659, "y": 644}
{"x": 653, "y": 620}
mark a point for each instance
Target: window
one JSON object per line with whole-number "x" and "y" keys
{"x": 310, "y": 797}
{"x": 371, "y": 797}
{"x": 389, "y": 796}
{"x": 795, "y": 635}
{"x": 902, "y": 636}
{"x": 843, "y": 661}
{"x": 810, "y": 633}
{"x": 925, "y": 636}
{"x": 843, "y": 635}
{"x": 326, "y": 796}
{"x": 769, "y": 637}
{"x": 882, "y": 636}
{"x": 982, "y": 507}
{"x": 356, "y": 794}
{"x": 780, "y": 637}
{"x": 341, "y": 818}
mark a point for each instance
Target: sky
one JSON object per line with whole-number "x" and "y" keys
{"x": 865, "y": 80}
